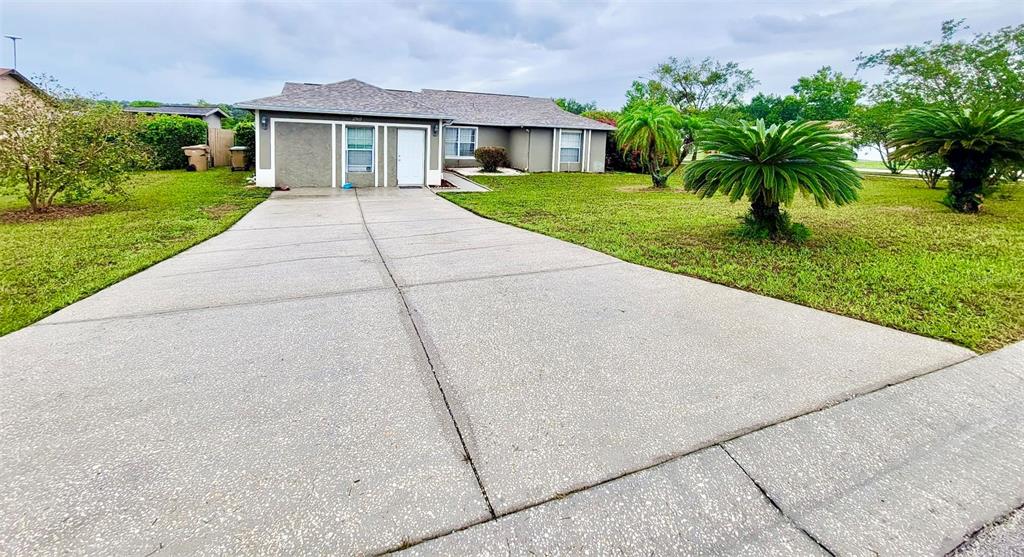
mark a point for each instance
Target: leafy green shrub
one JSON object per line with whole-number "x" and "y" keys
{"x": 245, "y": 136}
{"x": 167, "y": 134}
{"x": 490, "y": 158}
{"x": 71, "y": 147}
{"x": 768, "y": 165}
{"x": 929, "y": 168}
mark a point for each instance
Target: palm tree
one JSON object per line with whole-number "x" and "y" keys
{"x": 654, "y": 131}
{"x": 768, "y": 164}
{"x": 971, "y": 141}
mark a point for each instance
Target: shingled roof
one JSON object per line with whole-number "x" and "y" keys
{"x": 179, "y": 109}
{"x": 491, "y": 109}
{"x": 462, "y": 107}
{"x": 344, "y": 97}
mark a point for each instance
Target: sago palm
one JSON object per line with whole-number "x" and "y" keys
{"x": 970, "y": 140}
{"x": 653, "y": 130}
{"x": 767, "y": 165}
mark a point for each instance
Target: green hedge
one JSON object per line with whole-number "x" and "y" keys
{"x": 167, "y": 134}
{"x": 245, "y": 136}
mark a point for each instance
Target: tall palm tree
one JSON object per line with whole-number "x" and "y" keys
{"x": 768, "y": 164}
{"x": 970, "y": 140}
{"x": 654, "y": 131}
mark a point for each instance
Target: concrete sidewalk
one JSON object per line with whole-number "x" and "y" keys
{"x": 359, "y": 371}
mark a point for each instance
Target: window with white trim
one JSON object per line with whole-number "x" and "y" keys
{"x": 570, "y": 146}
{"x": 459, "y": 142}
{"x": 359, "y": 154}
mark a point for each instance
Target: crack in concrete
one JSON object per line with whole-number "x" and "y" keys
{"x": 173, "y": 311}
{"x": 256, "y": 265}
{"x": 276, "y": 246}
{"x": 775, "y": 504}
{"x": 247, "y": 229}
{"x": 970, "y": 538}
{"x": 489, "y": 227}
{"x": 477, "y": 248}
{"x": 430, "y": 363}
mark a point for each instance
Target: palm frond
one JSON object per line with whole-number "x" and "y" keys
{"x": 774, "y": 162}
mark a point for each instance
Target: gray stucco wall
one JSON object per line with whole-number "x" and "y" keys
{"x": 569, "y": 167}
{"x": 540, "y": 149}
{"x": 486, "y": 136}
{"x": 212, "y": 121}
{"x": 598, "y": 142}
{"x": 303, "y": 155}
{"x": 519, "y": 148}
{"x": 263, "y": 156}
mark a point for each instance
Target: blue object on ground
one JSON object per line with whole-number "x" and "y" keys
{"x": 347, "y": 185}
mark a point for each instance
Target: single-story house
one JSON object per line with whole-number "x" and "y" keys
{"x": 212, "y": 115}
{"x": 353, "y": 132}
{"x": 11, "y": 81}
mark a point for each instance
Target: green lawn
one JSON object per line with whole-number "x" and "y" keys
{"x": 47, "y": 265}
{"x": 897, "y": 258}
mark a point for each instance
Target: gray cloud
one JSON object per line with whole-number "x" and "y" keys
{"x": 231, "y": 51}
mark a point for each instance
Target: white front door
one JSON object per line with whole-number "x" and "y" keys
{"x": 411, "y": 157}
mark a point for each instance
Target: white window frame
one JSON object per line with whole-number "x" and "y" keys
{"x": 372, "y": 149}
{"x": 458, "y": 142}
{"x": 561, "y": 146}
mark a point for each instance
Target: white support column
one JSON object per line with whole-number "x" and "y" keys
{"x": 344, "y": 153}
{"x": 386, "y": 156}
{"x": 334, "y": 155}
{"x": 376, "y": 154}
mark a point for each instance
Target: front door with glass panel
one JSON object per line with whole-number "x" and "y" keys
{"x": 411, "y": 157}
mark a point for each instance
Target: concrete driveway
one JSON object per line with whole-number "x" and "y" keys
{"x": 359, "y": 373}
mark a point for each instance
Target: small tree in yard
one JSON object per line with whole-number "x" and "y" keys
{"x": 929, "y": 169}
{"x": 972, "y": 142}
{"x": 70, "y": 147}
{"x": 768, "y": 164}
{"x": 871, "y": 126}
{"x": 654, "y": 131}
{"x": 490, "y": 158}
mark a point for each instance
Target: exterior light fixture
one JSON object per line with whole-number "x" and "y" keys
{"x": 433, "y": 129}
{"x": 264, "y": 121}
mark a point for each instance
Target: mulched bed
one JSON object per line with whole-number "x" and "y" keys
{"x": 59, "y": 212}
{"x": 444, "y": 185}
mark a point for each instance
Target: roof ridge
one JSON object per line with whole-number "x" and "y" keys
{"x": 483, "y": 93}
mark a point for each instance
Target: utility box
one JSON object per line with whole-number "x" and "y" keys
{"x": 238, "y": 156}
{"x": 198, "y": 157}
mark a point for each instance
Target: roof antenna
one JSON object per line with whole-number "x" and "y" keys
{"x": 14, "y": 41}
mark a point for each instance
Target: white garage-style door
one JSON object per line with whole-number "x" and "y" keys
{"x": 411, "y": 157}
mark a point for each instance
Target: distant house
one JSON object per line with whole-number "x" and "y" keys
{"x": 354, "y": 132}
{"x": 209, "y": 114}
{"x": 11, "y": 81}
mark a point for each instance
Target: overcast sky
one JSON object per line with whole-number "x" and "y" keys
{"x": 231, "y": 51}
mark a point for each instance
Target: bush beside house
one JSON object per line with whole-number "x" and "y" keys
{"x": 490, "y": 158}
{"x": 167, "y": 134}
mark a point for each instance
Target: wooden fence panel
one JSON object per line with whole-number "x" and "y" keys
{"x": 221, "y": 142}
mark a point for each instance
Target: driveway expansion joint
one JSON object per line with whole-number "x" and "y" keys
{"x": 176, "y": 311}
{"x": 430, "y": 361}
{"x": 775, "y": 504}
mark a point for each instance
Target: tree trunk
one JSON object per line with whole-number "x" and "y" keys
{"x": 767, "y": 215}
{"x": 970, "y": 169}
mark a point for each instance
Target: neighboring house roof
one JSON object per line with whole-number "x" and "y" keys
{"x": 344, "y": 97}
{"x": 462, "y": 107}
{"x": 179, "y": 109}
{"x": 16, "y": 75}
{"x": 493, "y": 109}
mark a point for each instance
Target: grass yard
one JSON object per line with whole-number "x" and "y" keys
{"x": 897, "y": 258}
{"x": 48, "y": 264}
